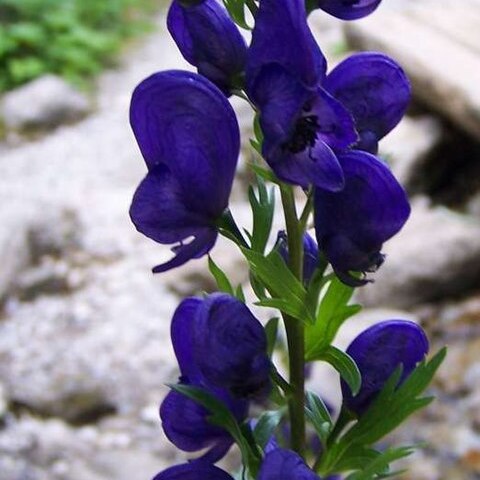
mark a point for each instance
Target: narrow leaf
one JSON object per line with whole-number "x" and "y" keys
{"x": 221, "y": 278}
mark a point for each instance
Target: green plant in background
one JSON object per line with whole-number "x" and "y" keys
{"x": 72, "y": 38}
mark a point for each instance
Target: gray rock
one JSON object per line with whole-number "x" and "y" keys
{"x": 437, "y": 254}
{"x": 43, "y": 103}
{"x": 14, "y": 244}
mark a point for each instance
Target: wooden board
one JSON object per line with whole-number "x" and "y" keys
{"x": 438, "y": 44}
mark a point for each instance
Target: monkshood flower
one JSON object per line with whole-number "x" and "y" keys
{"x": 347, "y": 9}
{"x": 280, "y": 464}
{"x": 378, "y": 351}
{"x": 310, "y": 253}
{"x": 189, "y": 137}
{"x": 302, "y": 123}
{"x": 209, "y": 40}
{"x": 193, "y": 471}
{"x": 183, "y": 420}
{"x": 352, "y": 225}
{"x": 229, "y": 346}
{"x": 375, "y": 90}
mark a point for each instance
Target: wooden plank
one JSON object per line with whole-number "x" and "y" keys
{"x": 444, "y": 73}
{"x": 460, "y": 22}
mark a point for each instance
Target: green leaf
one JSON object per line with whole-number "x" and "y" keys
{"x": 379, "y": 465}
{"x": 289, "y": 294}
{"x": 236, "y": 9}
{"x": 318, "y": 414}
{"x": 331, "y": 314}
{"x": 239, "y": 293}
{"x": 222, "y": 417}
{"x": 267, "y": 175}
{"x": 221, "y": 278}
{"x": 263, "y": 208}
{"x": 399, "y": 402}
{"x": 345, "y": 366}
{"x": 271, "y": 329}
{"x": 266, "y": 425}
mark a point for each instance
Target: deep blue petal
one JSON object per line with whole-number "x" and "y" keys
{"x": 209, "y": 40}
{"x": 199, "y": 246}
{"x": 160, "y": 209}
{"x": 280, "y": 96}
{"x": 336, "y": 126}
{"x": 186, "y": 424}
{"x": 181, "y": 331}
{"x": 378, "y": 351}
{"x": 351, "y": 225}
{"x": 230, "y": 347}
{"x": 316, "y": 166}
{"x": 283, "y": 464}
{"x": 376, "y": 91}
{"x": 182, "y": 120}
{"x": 349, "y": 9}
{"x": 193, "y": 471}
{"x": 281, "y": 35}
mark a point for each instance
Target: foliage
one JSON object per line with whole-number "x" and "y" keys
{"x": 72, "y": 38}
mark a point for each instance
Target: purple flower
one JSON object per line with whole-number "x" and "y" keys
{"x": 352, "y": 225}
{"x": 375, "y": 90}
{"x": 301, "y": 122}
{"x": 348, "y": 9}
{"x": 209, "y": 40}
{"x": 225, "y": 343}
{"x": 193, "y": 471}
{"x": 310, "y": 253}
{"x": 283, "y": 464}
{"x": 184, "y": 421}
{"x": 378, "y": 351}
{"x": 189, "y": 138}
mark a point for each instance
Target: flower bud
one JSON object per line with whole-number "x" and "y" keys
{"x": 378, "y": 351}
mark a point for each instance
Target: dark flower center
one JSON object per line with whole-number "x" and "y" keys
{"x": 304, "y": 135}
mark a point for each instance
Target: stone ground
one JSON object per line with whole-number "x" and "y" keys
{"x": 84, "y": 329}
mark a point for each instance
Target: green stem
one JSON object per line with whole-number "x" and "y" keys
{"x": 295, "y": 328}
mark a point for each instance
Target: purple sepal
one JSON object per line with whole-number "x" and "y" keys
{"x": 280, "y": 464}
{"x": 375, "y": 90}
{"x": 378, "y": 351}
{"x": 189, "y": 137}
{"x": 230, "y": 347}
{"x": 209, "y": 40}
{"x": 349, "y": 9}
{"x": 352, "y": 225}
{"x": 193, "y": 471}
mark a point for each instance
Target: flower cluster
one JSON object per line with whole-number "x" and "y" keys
{"x": 315, "y": 129}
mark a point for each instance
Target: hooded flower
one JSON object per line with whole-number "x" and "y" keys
{"x": 348, "y": 9}
{"x": 283, "y": 464}
{"x": 352, "y": 225}
{"x": 378, "y": 351}
{"x": 302, "y": 123}
{"x": 184, "y": 421}
{"x": 209, "y": 40}
{"x": 193, "y": 471}
{"x": 375, "y": 90}
{"x": 189, "y": 138}
{"x": 226, "y": 344}
{"x": 310, "y": 253}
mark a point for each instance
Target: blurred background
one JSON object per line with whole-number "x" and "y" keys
{"x": 84, "y": 325}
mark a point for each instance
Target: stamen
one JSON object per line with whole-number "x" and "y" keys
{"x": 304, "y": 136}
